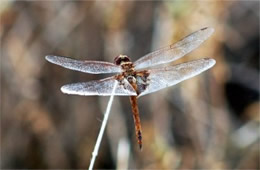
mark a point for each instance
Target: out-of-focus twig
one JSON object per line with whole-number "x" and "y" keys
{"x": 123, "y": 154}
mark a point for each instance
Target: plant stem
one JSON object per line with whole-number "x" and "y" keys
{"x": 102, "y": 129}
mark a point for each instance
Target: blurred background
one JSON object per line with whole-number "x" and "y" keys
{"x": 210, "y": 121}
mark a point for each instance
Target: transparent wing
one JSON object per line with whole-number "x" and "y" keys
{"x": 92, "y": 67}
{"x": 174, "y": 51}
{"x": 171, "y": 75}
{"x": 102, "y": 87}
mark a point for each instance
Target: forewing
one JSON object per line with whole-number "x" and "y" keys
{"x": 174, "y": 51}
{"x": 92, "y": 67}
{"x": 102, "y": 87}
{"x": 171, "y": 75}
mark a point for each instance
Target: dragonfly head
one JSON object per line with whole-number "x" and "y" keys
{"x": 121, "y": 59}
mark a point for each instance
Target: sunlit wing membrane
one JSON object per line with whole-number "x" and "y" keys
{"x": 174, "y": 51}
{"x": 102, "y": 87}
{"x": 171, "y": 75}
{"x": 92, "y": 67}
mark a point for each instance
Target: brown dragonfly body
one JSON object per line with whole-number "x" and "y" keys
{"x": 138, "y": 78}
{"x": 139, "y": 86}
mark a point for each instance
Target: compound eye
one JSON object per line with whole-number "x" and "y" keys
{"x": 117, "y": 60}
{"x": 126, "y": 59}
{"x": 121, "y": 58}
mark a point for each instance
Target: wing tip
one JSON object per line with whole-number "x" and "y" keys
{"x": 64, "y": 90}
{"x": 211, "y": 62}
{"x": 209, "y": 30}
{"x": 67, "y": 90}
{"x": 49, "y": 58}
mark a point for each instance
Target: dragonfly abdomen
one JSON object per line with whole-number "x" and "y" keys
{"x": 138, "y": 128}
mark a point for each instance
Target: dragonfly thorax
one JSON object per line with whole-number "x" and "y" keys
{"x": 121, "y": 59}
{"x": 131, "y": 79}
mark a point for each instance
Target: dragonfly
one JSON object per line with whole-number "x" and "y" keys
{"x": 144, "y": 76}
